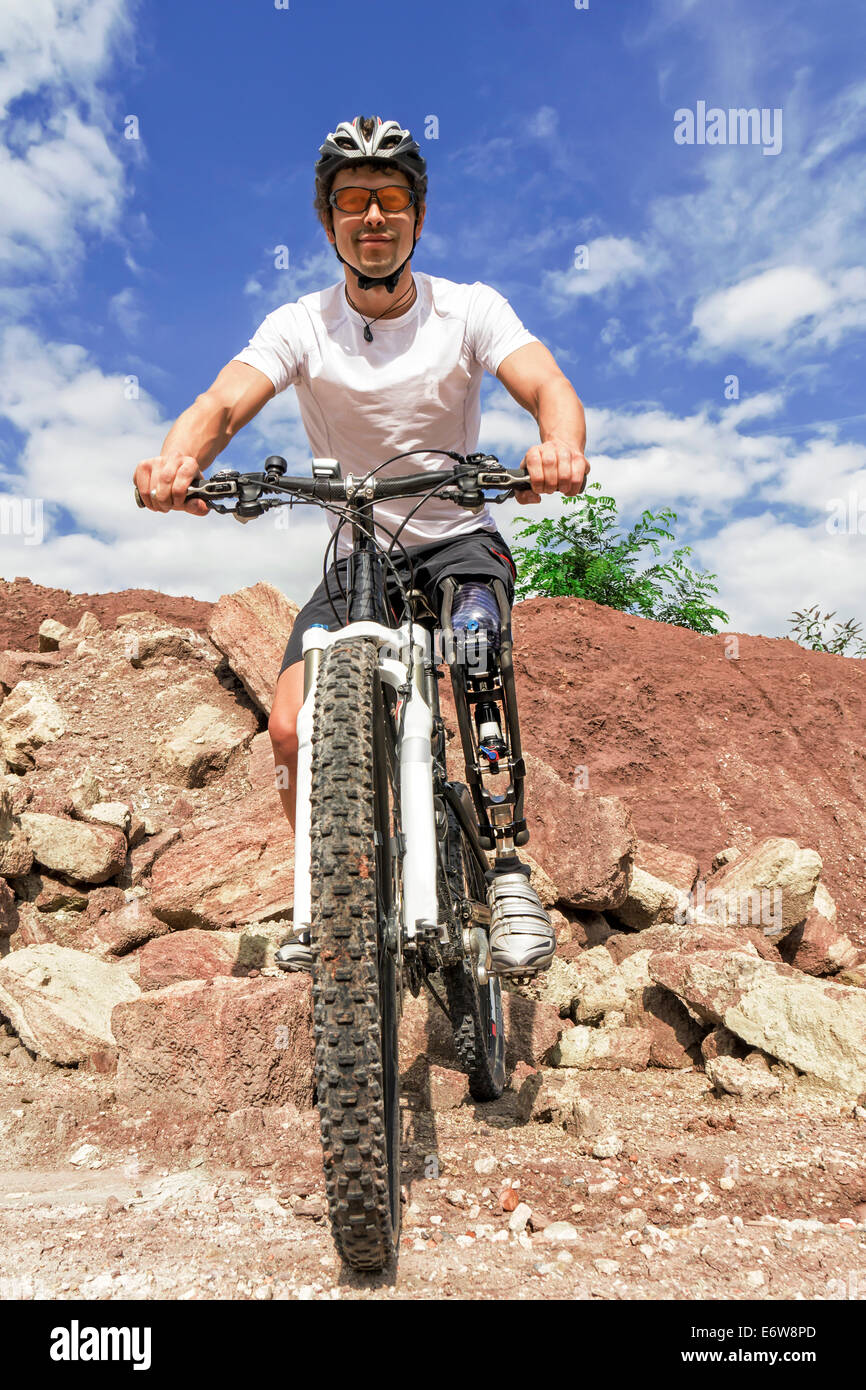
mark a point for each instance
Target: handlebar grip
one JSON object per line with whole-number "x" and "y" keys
{"x": 191, "y": 493}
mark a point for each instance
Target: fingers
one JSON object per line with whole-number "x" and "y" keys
{"x": 163, "y": 482}
{"x": 554, "y": 467}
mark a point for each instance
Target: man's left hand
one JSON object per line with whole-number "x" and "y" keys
{"x": 553, "y": 467}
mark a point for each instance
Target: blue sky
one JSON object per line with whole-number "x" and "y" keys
{"x": 153, "y": 259}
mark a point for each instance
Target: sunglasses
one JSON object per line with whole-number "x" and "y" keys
{"x": 393, "y": 198}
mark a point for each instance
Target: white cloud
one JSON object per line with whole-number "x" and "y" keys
{"x": 124, "y": 308}
{"x": 60, "y": 176}
{"x": 83, "y": 441}
{"x": 769, "y": 310}
{"x": 610, "y": 261}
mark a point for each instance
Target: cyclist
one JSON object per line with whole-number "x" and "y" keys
{"x": 385, "y": 361}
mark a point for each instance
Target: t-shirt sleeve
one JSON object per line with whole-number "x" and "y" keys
{"x": 493, "y": 329}
{"x": 277, "y": 347}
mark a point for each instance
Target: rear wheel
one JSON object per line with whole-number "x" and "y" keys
{"x": 475, "y": 1009}
{"x": 356, "y": 972}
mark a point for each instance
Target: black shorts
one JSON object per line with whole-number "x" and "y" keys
{"x": 478, "y": 555}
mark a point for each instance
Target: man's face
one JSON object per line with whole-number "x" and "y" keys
{"x": 377, "y": 241}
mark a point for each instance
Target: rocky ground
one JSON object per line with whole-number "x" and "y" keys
{"x": 685, "y": 1110}
{"x": 708, "y": 1198}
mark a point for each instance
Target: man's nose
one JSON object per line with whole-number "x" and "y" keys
{"x": 373, "y": 215}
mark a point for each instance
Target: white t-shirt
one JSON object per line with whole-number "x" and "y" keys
{"x": 416, "y": 386}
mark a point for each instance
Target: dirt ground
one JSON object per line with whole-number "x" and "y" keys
{"x": 708, "y": 1199}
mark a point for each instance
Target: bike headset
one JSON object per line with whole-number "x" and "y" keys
{"x": 385, "y": 143}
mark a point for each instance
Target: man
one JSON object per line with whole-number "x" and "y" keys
{"x": 386, "y": 361}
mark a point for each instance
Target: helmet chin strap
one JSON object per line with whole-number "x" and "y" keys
{"x": 367, "y": 282}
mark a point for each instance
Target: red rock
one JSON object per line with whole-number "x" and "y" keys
{"x": 670, "y": 865}
{"x": 508, "y": 1199}
{"x": 252, "y": 627}
{"x": 531, "y": 1032}
{"x": 818, "y": 947}
{"x": 688, "y": 939}
{"x": 17, "y": 666}
{"x": 220, "y": 1045}
{"x": 437, "y": 1088}
{"x": 8, "y": 909}
{"x": 141, "y": 859}
{"x": 184, "y": 955}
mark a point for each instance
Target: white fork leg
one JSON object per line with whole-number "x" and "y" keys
{"x": 303, "y": 911}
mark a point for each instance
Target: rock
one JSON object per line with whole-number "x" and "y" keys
{"x": 141, "y": 860}
{"x": 855, "y": 978}
{"x": 813, "y": 1025}
{"x": 8, "y": 909}
{"x": 607, "y": 1267}
{"x": 243, "y": 1043}
{"x": 204, "y": 746}
{"x": 735, "y": 1078}
{"x": 51, "y": 633}
{"x": 557, "y": 987}
{"x": 29, "y": 718}
{"x": 824, "y": 903}
{"x": 671, "y": 865}
{"x": 252, "y": 626}
{"x": 519, "y": 1218}
{"x": 687, "y": 939}
{"x": 541, "y": 881}
{"x": 772, "y": 887}
{"x": 15, "y": 666}
{"x": 438, "y": 1088}
{"x": 721, "y": 1042}
{"x": 592, "y": 863}
{"x": 817, "y": 947}
{"x": 51, "y": 894}
{"x": 236, "y": 869}
{"x": 87, "y": 853}
{"x": 559, "y": 1232}
{"x": 607, "y": 1146}
{"x": 117, "y": 932}
{"x": 116, "y": 813}
{"x": 60, "y": 1001}
{"x": 88, "y": 625}
{"x": 186, "y": 955}
{"x": 146, "y": 639}
{"x": 725, "y": 856}
{"x": 603, "y": 1049}
{"x": 556, "y": 1099}
{"x": 587, "y": 929}
{"x": 649, "y": 902}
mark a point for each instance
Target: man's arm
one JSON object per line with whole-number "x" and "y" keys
{"x": 558, "y": 463}
{"x": 199, "y": 435}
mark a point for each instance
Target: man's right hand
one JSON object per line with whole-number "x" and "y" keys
{"x": 162, "y": 483}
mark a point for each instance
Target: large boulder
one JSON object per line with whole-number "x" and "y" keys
{"x": 532, "y": 1031}
{"x": 817, "y": 947}
{"x": 200, "y": 955}
{"x": 60, "y": 1001}
{"x": 29, "y": 718}
{"x": 201, "y": 749}
{"x": 585, "y": 843}
{"x": 15, "y": 666}
{"x": 650, "y": 901}
{"x": 87, "y": 853}
{"x": 8, "y": 909}
{"x": 670, "y": 865}
{"x": 813, "y": 1025}
{"x": 219, "y": 1044}
{"x": 604, "y": 1049}
{"x": 772, "y": 887}
{"x": 233, "y": 868}
{"x": 252, "y": 627}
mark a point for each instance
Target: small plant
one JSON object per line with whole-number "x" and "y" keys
{"x": 809, "y": 632}
{"x": 577, "y": 556}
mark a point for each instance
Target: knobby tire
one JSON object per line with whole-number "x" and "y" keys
{"x": 355, "y": 986}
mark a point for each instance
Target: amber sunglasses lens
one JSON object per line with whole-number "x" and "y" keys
{"x": 390, "y": 199}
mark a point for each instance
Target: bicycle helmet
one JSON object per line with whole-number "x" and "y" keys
{"x": 387, "y": 143}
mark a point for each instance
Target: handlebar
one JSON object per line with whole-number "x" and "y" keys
{"x": 463, "y": 485}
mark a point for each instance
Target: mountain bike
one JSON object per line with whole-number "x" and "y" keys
{"x": 391, "y": 856}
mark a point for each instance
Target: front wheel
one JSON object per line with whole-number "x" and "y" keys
{"x": 355, "y": 940}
